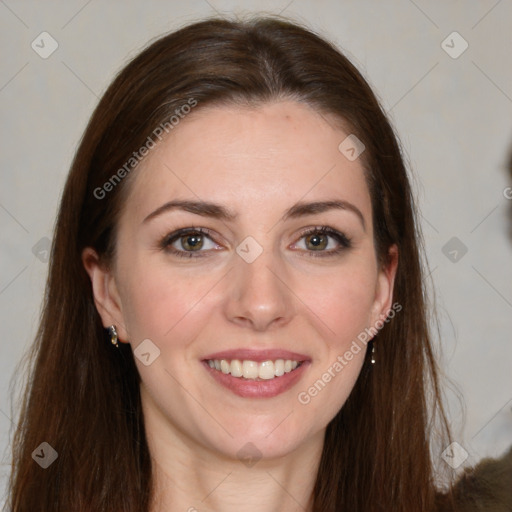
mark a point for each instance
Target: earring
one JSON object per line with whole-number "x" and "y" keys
{"x": 372, "y": 360}
{"x": 113, "y": 335}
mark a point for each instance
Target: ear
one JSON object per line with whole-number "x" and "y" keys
{"x": 106, "y": 296}
{"x": 384, "y": 287}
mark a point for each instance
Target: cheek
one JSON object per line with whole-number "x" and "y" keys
{"x": 344, "y": 303}
{"x": 346, "y": 309}
{"x": 157, "y": 304}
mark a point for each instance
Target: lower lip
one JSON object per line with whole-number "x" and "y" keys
{"x": 248, "y": 388}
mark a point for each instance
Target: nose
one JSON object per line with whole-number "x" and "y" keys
{"x": 259, "y": 298}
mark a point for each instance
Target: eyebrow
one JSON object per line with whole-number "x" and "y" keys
{"x": 301, "y": 209}
{"x": 203, "y": 208}
{"x": 217, "y": 211}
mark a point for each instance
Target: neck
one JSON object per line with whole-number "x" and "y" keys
{"x": 189, "y": 477}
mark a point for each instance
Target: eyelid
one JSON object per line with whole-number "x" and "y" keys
{"x": 342, "y": 240}
{"x": 308, "y": 230}
{"x": 167, "y": 241}
{"x": 170, "y": 237}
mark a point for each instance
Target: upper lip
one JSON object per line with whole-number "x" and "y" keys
{"x": 257, "y": 355}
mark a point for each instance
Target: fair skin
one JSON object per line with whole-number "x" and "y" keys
{"x": 257, "y": 163}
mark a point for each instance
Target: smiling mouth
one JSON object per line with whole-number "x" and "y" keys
{"x": 253, "y": 370}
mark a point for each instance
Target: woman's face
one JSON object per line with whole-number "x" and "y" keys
{"x": 246, "y": 237}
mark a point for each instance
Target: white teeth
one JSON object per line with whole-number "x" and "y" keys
{"x": 236, "y": 368}
{"x": 247, "y": 369}
{"x": 224, "y": 366}
{"x": 250, "y": 369}
{"x": 266, "y": 370}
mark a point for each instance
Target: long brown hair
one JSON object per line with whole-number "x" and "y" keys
{"x": 83, "y": 396}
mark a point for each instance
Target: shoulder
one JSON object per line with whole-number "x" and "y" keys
{"x": 486, "y": 487}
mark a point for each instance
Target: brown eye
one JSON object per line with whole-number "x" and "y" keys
{"x": 192, "y": 242}
{"x": 316, "y": 241}
{"x": 322, "y": 241}
{"x": 189, "y": 242}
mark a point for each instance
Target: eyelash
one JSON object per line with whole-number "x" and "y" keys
{"x": 343, "y": 241}
{"x": 166, "y": 242}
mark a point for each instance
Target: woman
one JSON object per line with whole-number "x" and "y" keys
{"x": 235, "y": 315}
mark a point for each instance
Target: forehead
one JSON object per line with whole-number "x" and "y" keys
{"x": 254, "y": 159}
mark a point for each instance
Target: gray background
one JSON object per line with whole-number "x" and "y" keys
{"x": 453, "y": 116}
